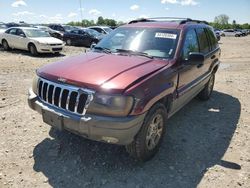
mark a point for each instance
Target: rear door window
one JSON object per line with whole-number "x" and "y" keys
{"x": 203, "y": 40}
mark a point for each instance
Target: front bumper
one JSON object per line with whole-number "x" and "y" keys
{"x": 49, "y": 49}
{"x": 121, "y": 130}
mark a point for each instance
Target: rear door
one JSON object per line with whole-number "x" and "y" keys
{"x": 86, "y": 39}
{"x": 10, "y": 37}
{"x": 21, "y": 40}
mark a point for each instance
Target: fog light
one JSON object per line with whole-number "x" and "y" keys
{"x": 110, "y": 139}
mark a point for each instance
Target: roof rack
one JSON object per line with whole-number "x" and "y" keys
{"x": 168, "y": 19}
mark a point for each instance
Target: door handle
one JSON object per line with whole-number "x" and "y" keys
{"x": 200, "y": 65}
{"x": 213, "y": 56}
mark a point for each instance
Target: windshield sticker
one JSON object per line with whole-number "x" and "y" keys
{"x": 165, "y": 35}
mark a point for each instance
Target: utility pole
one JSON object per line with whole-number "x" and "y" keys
{"x": 80, "y": 1}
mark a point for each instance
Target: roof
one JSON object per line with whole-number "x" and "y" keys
{"x": 169, "y": 25}
{"x": 99, "y": 26}
{"x": 165, "y": 22}
{"x": 26, "y": 28}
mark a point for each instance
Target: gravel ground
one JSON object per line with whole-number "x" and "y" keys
{"x": 207, "y": 144}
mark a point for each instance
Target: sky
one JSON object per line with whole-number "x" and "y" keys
{"x": 64, "y": 11}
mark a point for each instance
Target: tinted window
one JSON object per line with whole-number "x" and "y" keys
{"x": 212, "y": 39}
{"x": 203, "y": 42}
{"x": 12, "y": 31}
{"x": 19, "y": 32}
{"x": 190, "y": 44}
{"x": 75, "y": 32}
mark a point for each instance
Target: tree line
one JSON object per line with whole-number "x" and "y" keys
{"x": 220, "y": 22}
{"x": 100, "y": 21}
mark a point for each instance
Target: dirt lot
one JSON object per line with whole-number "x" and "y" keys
{"x": 207, "y": 143}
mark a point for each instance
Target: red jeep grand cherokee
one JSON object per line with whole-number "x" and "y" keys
{"x": 123, "y": 91}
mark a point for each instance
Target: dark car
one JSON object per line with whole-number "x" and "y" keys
{"x": 84, "y": 37}
{"x": 61, "y": 28}
{"x": 125, "y": 89}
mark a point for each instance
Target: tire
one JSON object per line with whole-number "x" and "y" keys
{"x": 68, "y": 42}
{"x": 207, "y": 91}
{"x": 92, "y": 42}
{"x": 33, "y": 50}
{"x": 153, "y": 128}
{"x": 5, "y": 45}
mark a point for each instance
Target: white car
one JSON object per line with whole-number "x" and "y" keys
{"x": 230, "y": 32}
{"x": 30, "y": 39}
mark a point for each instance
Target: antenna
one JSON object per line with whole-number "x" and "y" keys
{"x": 80, "y": 1}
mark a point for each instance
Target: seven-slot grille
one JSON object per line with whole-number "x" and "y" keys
{"x": 66, "y": 97}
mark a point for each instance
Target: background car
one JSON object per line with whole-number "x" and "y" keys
{"x": 84, "y": 37}
{"x": 217, "y": 33}
{"x": 61, "y": 28}
{"x": 3, "y": 27}
{"x": 102, "y": 29}
{"x": 53, "y": 33}
{"x": 230, "y": 32}
{"x": 30, "y": 39}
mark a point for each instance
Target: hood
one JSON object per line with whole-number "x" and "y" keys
{"x": 101, "y": 71}
{"x": 47, "y": 40}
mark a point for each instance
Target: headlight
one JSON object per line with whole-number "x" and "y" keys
{"x": 34, "y": 84}
{"x": 43, "y": 44}
{"x": 111, "y": 105}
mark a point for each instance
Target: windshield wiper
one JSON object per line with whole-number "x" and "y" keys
{"x": 135, "y": 53}
{"x": 105, "y": 50}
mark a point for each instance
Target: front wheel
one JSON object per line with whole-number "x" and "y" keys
{"x": 207, "y": 91}
{"x": 33, "y": 50}
{"x": 147, "y": 142}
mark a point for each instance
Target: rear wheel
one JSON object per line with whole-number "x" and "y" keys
{"x": 5, "y": 45}
{"x": 207, "y": 91}
{"x": 147, "y": 142}
{"x": 33, "y": 50}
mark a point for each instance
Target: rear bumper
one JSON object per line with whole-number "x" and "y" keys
{"x": 100, "y": 128}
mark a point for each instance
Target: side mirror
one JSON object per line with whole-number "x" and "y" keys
{"x": 92, "y": 45}
{"x": 22, "y": 35}
{"x": 196, "y": 58}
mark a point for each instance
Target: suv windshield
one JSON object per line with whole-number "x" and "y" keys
{"x": 35, "y": 33}
{"x": 155, "y": 42}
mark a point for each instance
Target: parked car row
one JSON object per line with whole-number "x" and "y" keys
{"x": 51, "y": 39}
{"x": 233, "y": 32}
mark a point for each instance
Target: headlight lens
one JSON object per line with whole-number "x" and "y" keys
{"x": 43, "y": 44}
{"x": 111, "y": 105}
{"x": 34, "y": 84}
